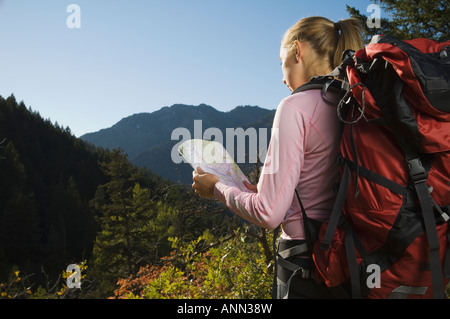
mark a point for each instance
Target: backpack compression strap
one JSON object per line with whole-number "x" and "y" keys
{"x": 387, "y": 89}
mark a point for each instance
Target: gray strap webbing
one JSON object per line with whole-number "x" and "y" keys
{"x": 293, "y": 251}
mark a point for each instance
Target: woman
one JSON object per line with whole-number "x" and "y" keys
{"x": 302, "y": 151}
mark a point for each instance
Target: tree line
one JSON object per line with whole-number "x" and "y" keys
{"x": 64, "y": 201}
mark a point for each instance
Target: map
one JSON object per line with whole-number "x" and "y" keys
{"x": 213, "y": 158}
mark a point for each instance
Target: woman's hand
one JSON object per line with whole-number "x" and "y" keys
{"x": 204, "y": 183}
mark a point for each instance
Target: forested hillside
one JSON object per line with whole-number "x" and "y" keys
{"x": 64, "y": 201}
{"x": 47, "y": 178}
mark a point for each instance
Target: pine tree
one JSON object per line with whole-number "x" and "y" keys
{"x": 410, "y": 19}
{"x": 131, "y": 234}
{"x": 19, "y": 224}
{"x": 113, "y": 201}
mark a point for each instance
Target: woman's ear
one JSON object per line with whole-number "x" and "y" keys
{"x": 298, "y": 50}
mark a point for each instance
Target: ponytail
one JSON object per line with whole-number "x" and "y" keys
{"x": 349, "y": 36}
{"x": 327, "y": 39}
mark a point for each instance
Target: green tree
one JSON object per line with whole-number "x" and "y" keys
{"x": 409, "y": 19}
{"x": 114, "y": 201}
{"x": 19, "y": 232}
{"x": 69, "y": 227}
{"x": 151, "y": 226}
{"x": 19, "y": 224}
{"x": 134, "y": 225}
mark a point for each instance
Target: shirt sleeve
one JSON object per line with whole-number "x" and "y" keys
{"x": 280, "y": 174}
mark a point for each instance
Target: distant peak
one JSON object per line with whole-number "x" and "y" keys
{"x": 240, "y": 107}
{"x": 180, "y": 105}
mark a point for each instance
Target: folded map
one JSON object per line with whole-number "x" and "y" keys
{"x": 213, "y": 158}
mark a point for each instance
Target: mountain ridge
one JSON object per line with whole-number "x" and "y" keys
{"x": 147, "y": 137}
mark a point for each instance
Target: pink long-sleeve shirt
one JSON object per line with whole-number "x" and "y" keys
{"x": 301, "y": 155}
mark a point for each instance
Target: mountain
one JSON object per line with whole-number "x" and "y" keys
{"x": 147, "y": 137}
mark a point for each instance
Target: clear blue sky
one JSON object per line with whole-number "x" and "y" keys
{"x": 140, "y": 55}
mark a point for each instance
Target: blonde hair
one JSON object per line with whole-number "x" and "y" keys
{"x": 328, "y": 40}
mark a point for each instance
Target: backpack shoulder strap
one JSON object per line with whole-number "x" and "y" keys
{"x": 325, "y": 83}
{"x": 334, "y": 81}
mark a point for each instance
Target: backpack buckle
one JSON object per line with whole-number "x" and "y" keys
{"x": 417, "y": 171}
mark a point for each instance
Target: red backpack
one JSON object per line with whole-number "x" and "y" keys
{"x": 388, "y": 235}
